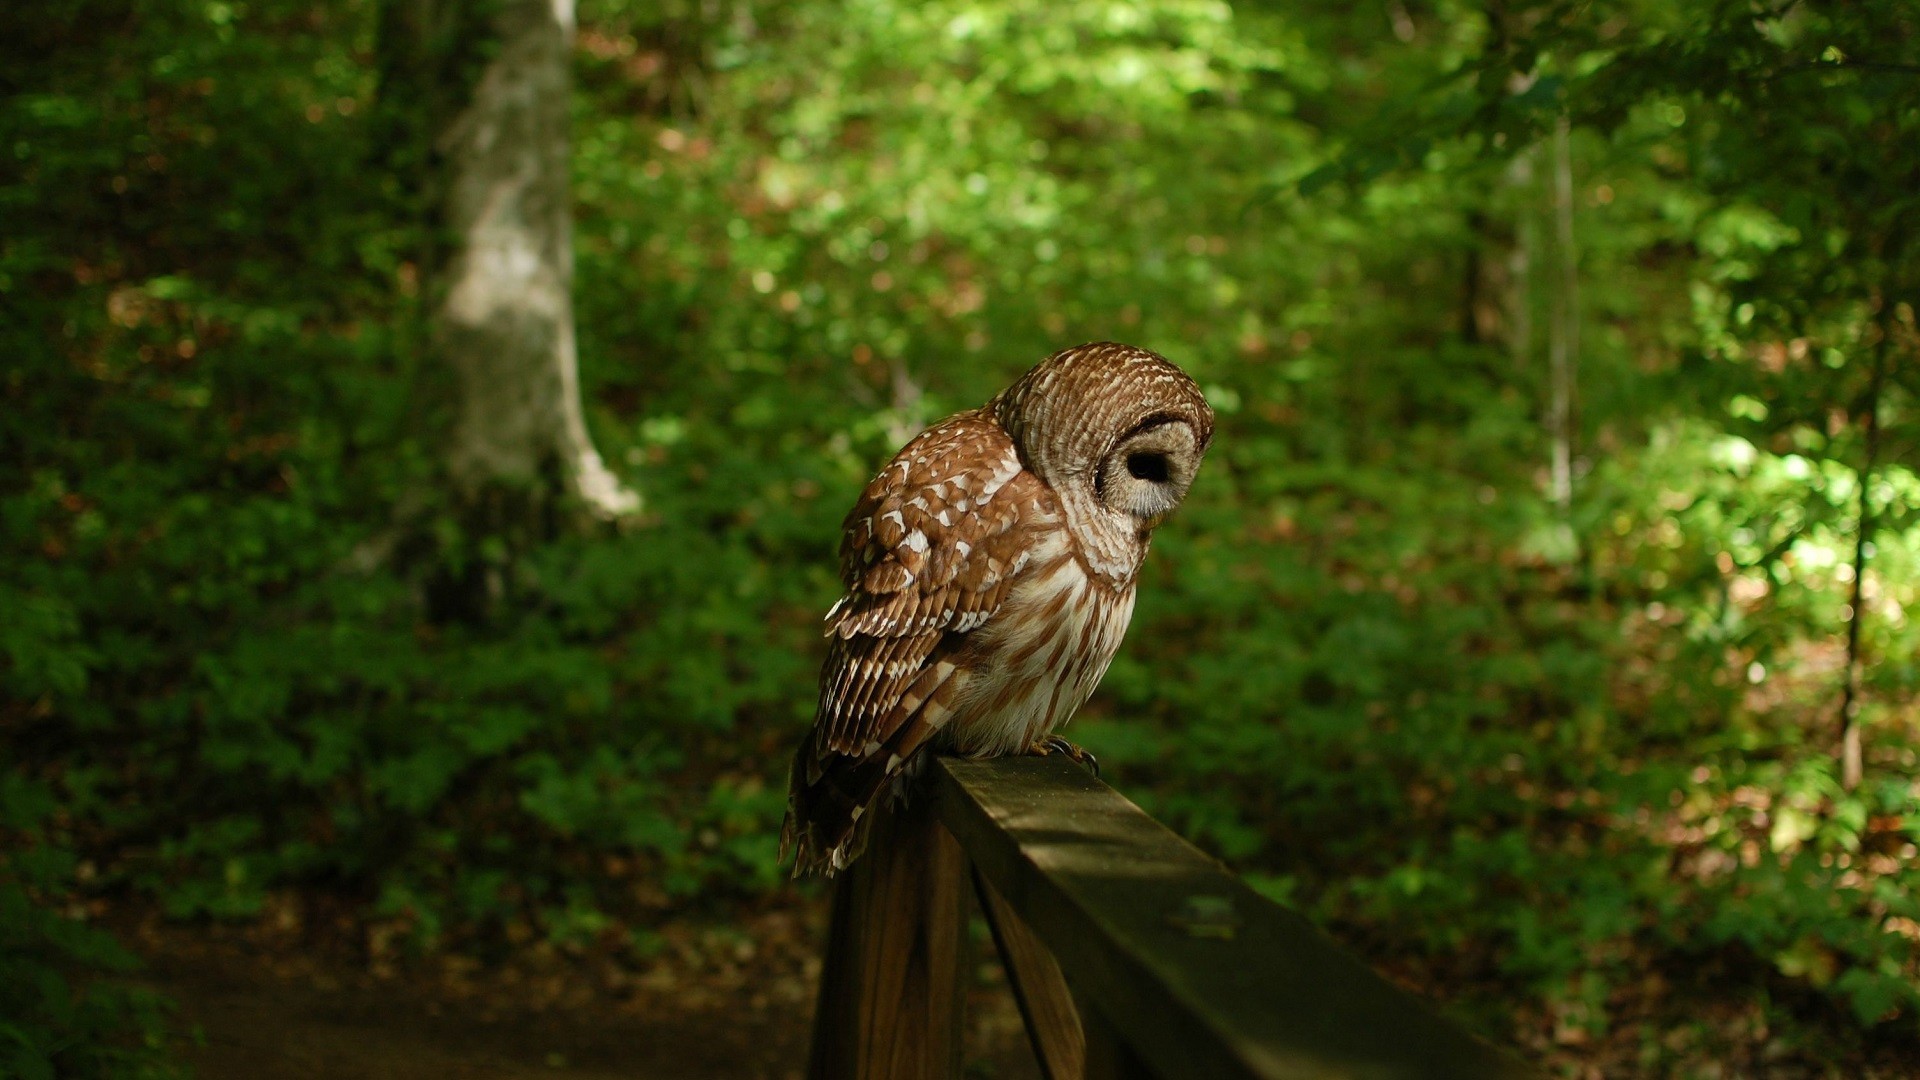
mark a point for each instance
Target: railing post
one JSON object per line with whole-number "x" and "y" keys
{"x": 892, "y": 991}
{"x": 1046, "y": 1004}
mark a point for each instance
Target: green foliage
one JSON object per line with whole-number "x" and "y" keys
{"x": 1539, "y": 759}
{"x": 61, "y": 1013}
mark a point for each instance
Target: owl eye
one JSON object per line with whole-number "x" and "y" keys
{"x": 1151, "y": 467}
{"x": 1146, "y": 473}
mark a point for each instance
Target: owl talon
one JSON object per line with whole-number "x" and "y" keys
{"x": 1054, "y": 744}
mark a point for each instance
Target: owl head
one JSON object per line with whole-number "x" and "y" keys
{"x": 1114, "y": 430}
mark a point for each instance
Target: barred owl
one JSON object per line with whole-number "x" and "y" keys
{"x": 990, "y": 574}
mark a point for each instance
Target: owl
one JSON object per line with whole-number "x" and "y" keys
{"x": 990, "y": 573}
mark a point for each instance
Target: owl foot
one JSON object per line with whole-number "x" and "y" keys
{"x": 1054, "y": 744}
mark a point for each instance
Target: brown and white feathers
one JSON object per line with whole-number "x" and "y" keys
{"x": 990, "y": 575}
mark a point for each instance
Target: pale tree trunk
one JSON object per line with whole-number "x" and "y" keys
{"x": 1563, "y": 342}
{"x": 1852, "y": 754}
{"x": 1520, "y": 263}
{"x": 504, "y": 325}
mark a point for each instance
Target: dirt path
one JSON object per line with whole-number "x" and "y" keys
{"x": 270, "y": 1013}
{"x": 258, "y": 1028}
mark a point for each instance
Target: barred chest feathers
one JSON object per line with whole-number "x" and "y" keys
{"x": 1040, "y": 661}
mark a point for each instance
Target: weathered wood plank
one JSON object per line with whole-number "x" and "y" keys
{"x": 1196, "y": 972}
{"x": 1046, "y": 1004}
{"x": 892, "y": 998}
{"x": 1108, "y": 1055}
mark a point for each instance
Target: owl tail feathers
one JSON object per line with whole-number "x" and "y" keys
{"x": 831, "y": 805}
{"x": 827, "y": 803}
{"x": 831, "y": 797}
{"x": 815, "y": 852}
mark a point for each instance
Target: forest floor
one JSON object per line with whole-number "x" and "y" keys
{"x": 309, "y": 992}
{"x": 721, "y": 1001}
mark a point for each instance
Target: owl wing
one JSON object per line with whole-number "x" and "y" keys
{"x": 928, "y": 554}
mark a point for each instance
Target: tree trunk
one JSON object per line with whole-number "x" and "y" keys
{"x": 1852, "y": 753}
{"x": 1563, "y": 344}
{"x": 1520, "y": 262}
{"x": 487, "y": 85}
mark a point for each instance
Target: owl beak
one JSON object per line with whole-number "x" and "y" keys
{"x": 1152, "y": 521}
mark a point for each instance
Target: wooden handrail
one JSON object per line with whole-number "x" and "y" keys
{"x": 1131, "y": 952}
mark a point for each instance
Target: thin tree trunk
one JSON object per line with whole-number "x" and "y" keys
{"x": 1852, "y": 754}
{"x": 1470, "y": 278}
{"x": 1564, "y": 333}
{"x": 1520, "y": 262}
{"x": 906, "y": 419}
{"x": 505, "y": 324}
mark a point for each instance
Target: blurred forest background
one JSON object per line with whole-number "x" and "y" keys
{"x": 1561, "y": 535}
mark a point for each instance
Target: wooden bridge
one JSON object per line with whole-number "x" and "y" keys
{"x": 1131, "y": 953}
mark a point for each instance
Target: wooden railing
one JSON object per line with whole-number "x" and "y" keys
{"x": 1131, "y": 953}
